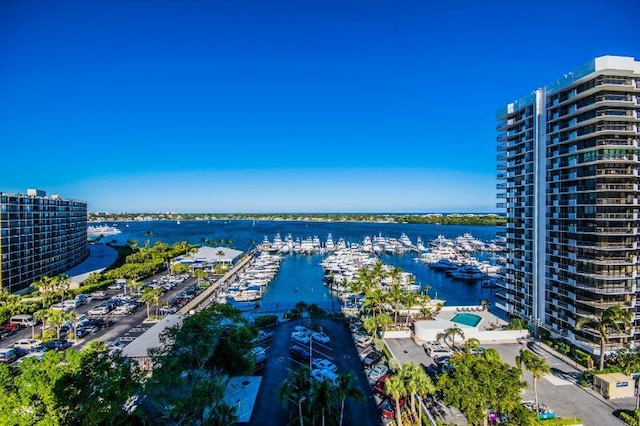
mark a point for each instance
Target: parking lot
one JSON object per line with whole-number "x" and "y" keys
{"x": 121, "y": 327}
{"x": 340, "y": 350}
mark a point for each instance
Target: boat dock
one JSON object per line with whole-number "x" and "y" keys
{"x": 205, "y": 298}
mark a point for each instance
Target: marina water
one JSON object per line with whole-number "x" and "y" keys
{"x": 301, "y": 277}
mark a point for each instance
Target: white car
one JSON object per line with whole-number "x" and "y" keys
{"x": 324, "y": 364}
{"x": 99, "y": 310}
{"x": 320, "y": 337}
{"x": 122, "y": 310}
{"x": 378, "y": 371}
{"x": 363, "y": 341}
{"x": 322, "y": 375}
{"x": 28, "y": 344}
{"x": 299, "y": 337}
{"x": 60, "y": 307}
{"x": 301, "y": 329}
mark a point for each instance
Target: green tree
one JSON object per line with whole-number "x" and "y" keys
{"x": 186, "y": 383}
{"x": 346, "y": 388}
{"x": 450, "y": 334}
{"x": 536, "y": 365}
{"x": 180, "y": 268}
{"x": 149, "y": 297}
{"x": 416, "y": 383}
{"x": 612, "y": 320}
{"x": 148, "y": 234}
{"x": 295, "y": 389}
{"x": 321, "y": 398}
{"x": 395, "y": 386}
{"x": 471, "y": 344}
{"x": 476, "y": 384}
{"x": 200, "y": 275}
{"x": 62, "y": 283}
{"x": 44, "y": 286}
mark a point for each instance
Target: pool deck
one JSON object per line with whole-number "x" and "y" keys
{"x": 489, "y": 320}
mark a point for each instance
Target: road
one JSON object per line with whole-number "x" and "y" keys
{"x": 559, "y": 390}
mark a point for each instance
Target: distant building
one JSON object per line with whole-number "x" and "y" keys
{"x": 208, "y": 257}
{"x": 40, "y": 236}
{"x": 569, "y": 182}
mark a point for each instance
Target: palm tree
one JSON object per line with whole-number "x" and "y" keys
{"x": 44, "y": 285}
{"x": 396, "y": 294}
{"x": 149, "y": 297}
{"x": 536, "y": 365}
{"x": 62, "y": 283}
{"x": 416, "y": 383}
{"x": 148, "y": 234}
{"x": 613, "y": 319}
{"x": 321, "y": 398}
{"x": 451, "y": 333}
{"x": 485, "y": 304}
{"x": 395, "y": 387}
{"x": 471, "y": 344}
{"x": 295, "y": 389}
{"x": 347, "y": 388}
{"x": 200, "y": 275}
{"x": 40, "y": 315}
{"x": 57, "y": 318}
{"x": 410, "y": 300}
{"x": 133, "y": 244}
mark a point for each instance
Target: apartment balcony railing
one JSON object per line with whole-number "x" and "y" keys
{"x": 617, "y": 201}
{"x": 615, "y": 187}
{"x": 618, "y": 142}
{"x": 617, "y": 172}
{"x": 615, "y": 98}
{"x": 610, "y": 276}
{"x": 617, "y": 216}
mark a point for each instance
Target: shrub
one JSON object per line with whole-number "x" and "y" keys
{"x": 628, "y": 419}
{"x": 265, "y": 320}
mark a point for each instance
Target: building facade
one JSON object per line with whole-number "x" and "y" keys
{"x": 40, "y": 236}
{"x": 569, "y": 181}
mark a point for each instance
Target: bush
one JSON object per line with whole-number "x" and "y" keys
{"x": 628, "y": 419}
{"x": 567, "y": 421}
{"x": 265, "y": 320}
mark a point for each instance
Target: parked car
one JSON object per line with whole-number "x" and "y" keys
{"x": 60, "y": 307}
{"x": 379, "y": 387}
{"x": 99, "y": 310}
{"x": 299, "y": 353}
{"x": 99, "y": 295}
{"x": 263, "y": 336}
{"x": 388, "y": 407}
{"x": 122, "y": 310}
{"x": 301, "y": 329}
{"x": 28, "y": 344}
{"x": 86, "y": 330}
{"x": 259, "y": 354}
{"x": 300, "y": 337}
{"x": 320, "y": 337}
{"x": 435, "y": 351}
{"x": 8, "y": 355}
{"x": 321, "y": 375}
{"x": 323, "y": 364}
{"x": 82, "y": 298}
{"x": 23, "y": 320}
{"x": 363, "y": 340}
{"x": 378, "y": 371}
{"x": 56, "y": 345}
{"x": 371, "y": 359}
{"x": 4, "y": 333}
{"x": 32, "y": 355}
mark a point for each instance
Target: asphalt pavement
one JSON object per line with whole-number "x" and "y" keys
{"x": 340, "y": 350}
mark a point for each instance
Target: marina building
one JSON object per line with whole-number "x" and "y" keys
{"x": 40, "y": 236}
{"x": 569, "y": 180}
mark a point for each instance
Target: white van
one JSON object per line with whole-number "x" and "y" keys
{"x": 24, "y": 320}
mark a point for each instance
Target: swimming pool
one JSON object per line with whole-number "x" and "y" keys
{"x": 467, "y": 319}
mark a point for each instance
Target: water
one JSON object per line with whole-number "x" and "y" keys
{"x": 300, "y": 276}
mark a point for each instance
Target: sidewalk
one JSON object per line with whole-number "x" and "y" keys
{"x": 100, "y": 258}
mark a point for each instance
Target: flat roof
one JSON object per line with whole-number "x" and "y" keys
{"x": 150, "y": 339}
{"x": 241, "y": 392}
{"x": 211, "y": 254}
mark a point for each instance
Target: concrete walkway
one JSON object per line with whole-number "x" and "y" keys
{"x": 100, "y": 258}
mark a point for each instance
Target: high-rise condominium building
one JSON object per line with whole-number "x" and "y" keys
{"x": 569, "y": 179}
{"x": 40, "y": 236}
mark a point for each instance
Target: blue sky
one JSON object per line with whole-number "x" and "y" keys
{"x": 288, "y": 106}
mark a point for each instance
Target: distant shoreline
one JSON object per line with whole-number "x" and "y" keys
{"x": 480, "y": 219}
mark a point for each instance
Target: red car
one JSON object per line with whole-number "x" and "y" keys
{"x": 378, "y": 389}
{"x": 388, "y": 407}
